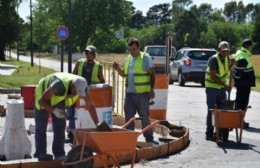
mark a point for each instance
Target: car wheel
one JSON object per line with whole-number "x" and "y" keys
{"x": 181, "y": 80}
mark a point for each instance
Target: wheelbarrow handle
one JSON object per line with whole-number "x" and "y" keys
{"x": 131, "y": 120}
{"x": 149, "y": 126}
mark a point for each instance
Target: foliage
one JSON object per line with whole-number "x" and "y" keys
{"x": 256, "y": 36}
{"x": 188, "y": 23}
{"x": 159, "y": 14}
{"x": 152, "y": 35}
{"x": 8, "y": 24}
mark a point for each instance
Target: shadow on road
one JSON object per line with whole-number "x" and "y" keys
{"x": 253, "y": 129}
{"x": 233, "y": 145}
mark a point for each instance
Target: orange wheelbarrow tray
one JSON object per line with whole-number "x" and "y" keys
{"x": 108, "y": 143}
{"x": 228, "y": 119}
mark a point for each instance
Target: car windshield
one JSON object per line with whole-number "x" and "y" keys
{"x": 201, "y": 55}
{"x": 159, "y": 51}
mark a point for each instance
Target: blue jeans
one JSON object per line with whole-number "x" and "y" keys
{"x": 214, "y": 98}
{"x": 138, "y": 102}
{"x": 71, "y": 116}
{"x": 58, "y": 126}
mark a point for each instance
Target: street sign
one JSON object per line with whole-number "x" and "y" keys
{"x": 62, "y": 33}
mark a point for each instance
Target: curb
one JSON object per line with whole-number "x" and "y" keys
{"x": 10, "y": 90}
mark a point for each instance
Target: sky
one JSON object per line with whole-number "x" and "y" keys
{"x": 142, "y": 5}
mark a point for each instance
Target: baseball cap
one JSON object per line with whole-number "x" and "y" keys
{"x": 80, "y": 85}
{"x": 247, "y": 42}
{"x": 91, "y": 48}
{"x": 223, "y": 45}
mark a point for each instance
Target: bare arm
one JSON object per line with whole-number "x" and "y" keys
{"x": 117, "y": 67}
{"x": 216, "y": 80}
{"x": 151, "y": 73}
{"x": 75, "y": 70}
{"x": 100, "y": 74}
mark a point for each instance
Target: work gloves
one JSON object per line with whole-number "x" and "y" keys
{"x": 59, "y": 113}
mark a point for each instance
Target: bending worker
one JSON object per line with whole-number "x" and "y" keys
{"x": 53, "y": 93}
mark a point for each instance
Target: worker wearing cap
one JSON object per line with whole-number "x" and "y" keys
{"x": 52, "y": 94}
{"x": 92, "y": 71}
{"x": 217, "y": 73}
{"x": 244, "y": 76}
{"x": 89, "y": 68}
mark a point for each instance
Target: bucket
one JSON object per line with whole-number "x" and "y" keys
{"x": 102, "y": 99}
{"x": 28, "y": 93}
{"x": 158, "y": 107}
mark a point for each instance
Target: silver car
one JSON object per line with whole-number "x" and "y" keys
{"x": 190, "y": 64}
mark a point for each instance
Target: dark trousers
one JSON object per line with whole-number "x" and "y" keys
{"x": 138, "y": 103}
{"x": 71, "y": 116}
{"x": 214, "y": 98}
{"x": 58, "y": 126}
{"x": 242, "y": 97}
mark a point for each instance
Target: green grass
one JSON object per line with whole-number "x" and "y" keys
{"x": 23, "y": 75}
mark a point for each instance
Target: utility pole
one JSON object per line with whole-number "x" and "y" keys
{"x": 18, "y": 33}
{"x": 70, "y": 39}
{"x": 31, "y": 28}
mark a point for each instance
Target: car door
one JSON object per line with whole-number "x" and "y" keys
{"x": 175, "y": 64}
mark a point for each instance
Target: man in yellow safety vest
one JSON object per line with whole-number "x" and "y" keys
{"x": 139, "y": 73}
{"x": 217, "y": 74}
{"x": 53, "y": 93}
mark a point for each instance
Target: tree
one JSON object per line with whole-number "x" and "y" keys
{"x": 208, "y": 39}
{"x": 256, "y": 36}
{"x": 178, "y": 7}
{"x": 230, "y": 11}
{"x": 159, "y": 14}
{"x": 8, "y": 24}
{"x": 204, "y": 11}
{"x": 188, "y": 23}
{"x": 87, "y": 17}
{"x": 137, "y": 19}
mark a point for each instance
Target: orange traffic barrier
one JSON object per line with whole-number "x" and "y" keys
{"x": 158, "y": 106}
{"x": 102, "y": 99}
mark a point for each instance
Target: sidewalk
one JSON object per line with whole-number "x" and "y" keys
{"x": 7, "y": 69}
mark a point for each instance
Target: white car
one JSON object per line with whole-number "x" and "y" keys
{"x": 158, "y": 54}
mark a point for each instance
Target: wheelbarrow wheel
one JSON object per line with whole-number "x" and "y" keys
{"x": 224, "y": 134}
{"x": 74, "y": 155}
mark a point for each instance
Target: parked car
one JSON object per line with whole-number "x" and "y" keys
{"x": 21, "y": 51}
{"x": 190, "y": 64}
{"x": 158, "y": 54}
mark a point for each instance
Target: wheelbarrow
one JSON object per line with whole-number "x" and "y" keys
{"x": 104, "y": 145}
{"x": 228, "y": 119}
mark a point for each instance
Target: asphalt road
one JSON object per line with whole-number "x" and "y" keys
{"x": 187, "y": 107}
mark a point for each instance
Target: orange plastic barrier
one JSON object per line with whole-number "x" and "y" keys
{"x": 102, "y": 99}
{"x": 158, "y": 109}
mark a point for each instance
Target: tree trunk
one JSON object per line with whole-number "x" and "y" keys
{"x": 2, "y": 52}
